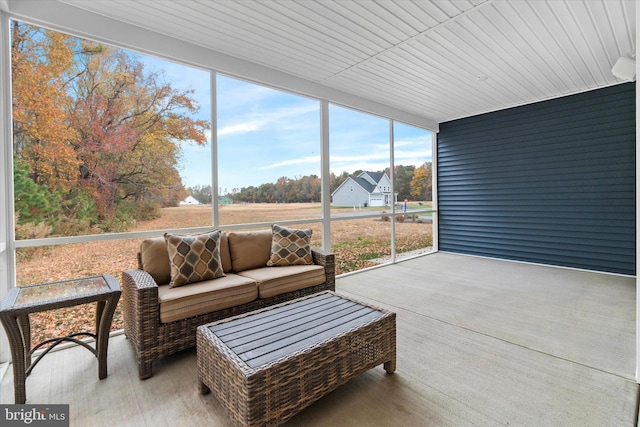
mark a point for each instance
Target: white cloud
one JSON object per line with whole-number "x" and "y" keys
{"x": 292, "y": 162}
{"x": 239, "y": 128}
{"x": 360, "y": 158}
{"x": 368, "y": 162}
{"x": 414, "y": 142}
{"x": 279, "y": 118}
{"x": 412, "y": 157}
{"x": 379, "y": 161}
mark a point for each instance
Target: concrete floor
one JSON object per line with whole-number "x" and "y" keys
{"x": 480, "y": 342}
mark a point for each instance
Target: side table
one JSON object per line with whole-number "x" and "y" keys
{"x": 24, "y": 300}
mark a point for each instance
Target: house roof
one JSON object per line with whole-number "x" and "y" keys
{"x": 434, "y": 61}
{"x": 376, "y": 176}
{"x": 190, "y": 199}
{"x": 362, "y": 182}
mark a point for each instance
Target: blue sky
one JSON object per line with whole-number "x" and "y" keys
{"x": 265, "y": 134}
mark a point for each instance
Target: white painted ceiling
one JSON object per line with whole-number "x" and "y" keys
{"x": 442, "y": 60}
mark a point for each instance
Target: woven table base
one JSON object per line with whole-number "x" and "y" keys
{"x": 267, "y": 365}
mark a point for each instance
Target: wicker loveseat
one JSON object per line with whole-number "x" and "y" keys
{"x": 161, "y": 320}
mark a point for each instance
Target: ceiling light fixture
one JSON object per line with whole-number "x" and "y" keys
{"x": 625, "y": 69}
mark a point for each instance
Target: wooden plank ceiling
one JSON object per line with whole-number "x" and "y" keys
{"x": 442, "y": 59}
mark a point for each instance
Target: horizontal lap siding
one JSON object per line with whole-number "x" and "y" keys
{"x": 551, "y": 183}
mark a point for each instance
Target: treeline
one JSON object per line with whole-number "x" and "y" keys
{"x": 284, "y": 190}
{"x": 95, "y": 136}
{"x": 411, "y": 183}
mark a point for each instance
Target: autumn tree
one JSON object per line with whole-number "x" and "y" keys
{"x": 265, "y": 193}
{"x": 312, "y": 188}
{"x": 402, "y": 177}
{"x": 421, "y": 183}
{"x": 91, "y": 124}
{"x": 40, "y": 104}
{"x": 129, "y": 124}
{"x": 280, "y": 189}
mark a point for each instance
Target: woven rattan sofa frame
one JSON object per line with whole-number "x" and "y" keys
{"x": 153, "y": 340}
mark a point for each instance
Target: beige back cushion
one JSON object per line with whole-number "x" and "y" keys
{"x": 249, "y": 249}
{"x": 225, "y": 256}
{"x": 154, "y": 258}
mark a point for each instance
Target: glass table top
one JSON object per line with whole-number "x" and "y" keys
{"x": 56, "y": 291}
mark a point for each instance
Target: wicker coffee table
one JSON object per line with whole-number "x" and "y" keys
{"x": 267, "y": 365}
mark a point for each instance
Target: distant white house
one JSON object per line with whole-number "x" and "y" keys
{"x": 366, "y": 189}
{"x": 190, "y": 200}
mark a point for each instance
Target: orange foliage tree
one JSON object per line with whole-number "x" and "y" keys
{"x": 95, "y": 128}
{"x": 421, "y": 187}
{"x": 41, "y": 133}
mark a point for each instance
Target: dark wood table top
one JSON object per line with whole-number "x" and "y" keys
{"x": 269, "y": 335}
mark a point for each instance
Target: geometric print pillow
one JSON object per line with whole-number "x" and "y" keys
{"x": 290, "y": 246}
{"x": 194, "y": 258}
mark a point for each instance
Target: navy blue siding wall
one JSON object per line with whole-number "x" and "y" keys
{"x": 551, "y": 183}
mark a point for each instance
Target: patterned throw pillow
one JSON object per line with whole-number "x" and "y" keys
{"x": 194, "y": 258}
{"x": 290, "y": 246}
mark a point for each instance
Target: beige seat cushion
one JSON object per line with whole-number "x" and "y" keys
{"x": 204, "y": 297}
{"x": 154, "y": 258}
{"x": 249, "y": 249}
{"x": 278, "y": 280}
